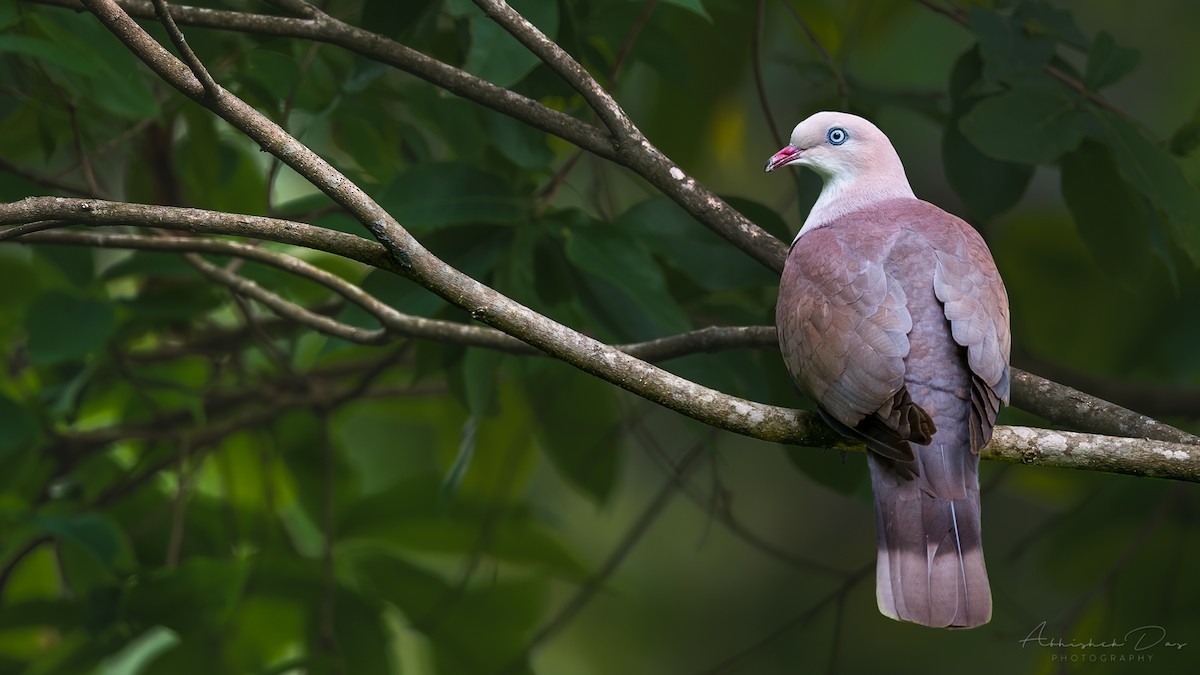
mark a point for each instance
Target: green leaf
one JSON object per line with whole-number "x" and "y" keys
{"x": 481, "y": 374}
{"x": 415, "y": 591}
{"x": 495, "y": 55}
{"x": 170, "y": 300}
{"x": 462, "y": 461}
{"x": 987, "y": 186}
{"x": 576, "y": 422}
{"x": 1010, "y": 54}
{"x": 16, "y": 426}
{"x": 19, "y": 279}
{"x": 103, "y": 71}
{"x": 43, "y": 50}
{"x": 195, "y": 597}
{"x": 77, "y": 263}
{"x": 1042, "y": 18}
{"x": 62, "y": 327}
{"x": 275, "y": 72}
{"x": 1157, "y": 175}
{"x": 609, "y": 254}
{"x": 94, "y": 533}
{"x": 522, "y": 144}
{"x": 488, "y": 627}
{"x": 437, "y": 195}
{"x": 1029, "y": 125}
{"x": 1187, "y": 137}
{"x": 694, "y": 6}
{"x": 679, "y": 241}
{"x": 395, "y": 19}
{"x": 1113, "y": 220}
{"x": 514, "y": 540}
{"x": 1108, "y": 62}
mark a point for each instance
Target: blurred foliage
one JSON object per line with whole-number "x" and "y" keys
{"x": 194, "y": 487}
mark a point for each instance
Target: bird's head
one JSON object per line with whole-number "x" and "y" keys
{"x": 854, "y": 158}
{"x": 836, "y": 145}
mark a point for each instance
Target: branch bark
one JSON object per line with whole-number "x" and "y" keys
{"x": 1162, "y": 451}
{"x": 406, "y": 256}
{"x": 631, "y": 149}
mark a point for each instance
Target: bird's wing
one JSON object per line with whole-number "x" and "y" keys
{"x": 843, "y": 327}
{"x": 967, "y": 283}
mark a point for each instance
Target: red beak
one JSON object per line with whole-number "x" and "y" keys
{"x": 788, "y": 154}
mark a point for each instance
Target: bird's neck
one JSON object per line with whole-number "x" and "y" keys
{"x": 849, "y": 192}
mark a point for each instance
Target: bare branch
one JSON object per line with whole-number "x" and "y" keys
{"x": 709, "y": 406}
{"x": 286, "y": 309}
{"x": 99, "y": 212}
{"x": 1060, "y": 404}
{"x": 185, "y": 51}
{"x": 633, "y": 152}
{"x": 570, "y": 70}
{"x": 1044, "y": 447}
{"x": 324, "y": 28}
{"x": 1093, "y": 452}
{"x": 636, "y": 152}
{"x": 1056, "y": 403}
{"x": 484, "y": 303}
{"x": 32, "y": 227}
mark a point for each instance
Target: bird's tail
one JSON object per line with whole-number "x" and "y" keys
{"x": 930, "y": 566}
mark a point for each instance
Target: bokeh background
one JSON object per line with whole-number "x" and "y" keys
{"x": 478, "y": 513}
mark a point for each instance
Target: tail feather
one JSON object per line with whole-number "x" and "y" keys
{"x": 930, "y": 567}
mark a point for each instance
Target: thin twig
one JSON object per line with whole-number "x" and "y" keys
{"x": 760, "y": 86}
{"x": 634, "y": 150}
{"x": 286, "y": 308}
{"x": 957, "y": 15}
{"x": 589, "y": 589}
{"x": 20, "y": 231}
{"x": 185, "y": 51}
{"x": 179, "y": 505}
{"x": 637, "y": 153}
{"x": 51, "y": 182}
{"x": 85, "y": 163}
{"x": 19, "y": 555}
{"x": 546, "y": 194}
{"x": 735, "y": 661}
{"x": 328, "y": 610}
{"x": 718, "y": 506}
{"x": 843, "y": 89}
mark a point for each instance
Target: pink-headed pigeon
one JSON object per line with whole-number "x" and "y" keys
{"x": 893, "y": 319}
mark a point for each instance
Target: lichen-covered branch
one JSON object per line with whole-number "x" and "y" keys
{"x": 1093, "y": 452}
{"x": 403, "y": 254}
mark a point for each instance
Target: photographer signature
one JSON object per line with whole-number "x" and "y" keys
{"x": 1138, "y": 639}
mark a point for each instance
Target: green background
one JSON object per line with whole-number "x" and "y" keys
{"x": 441, "y": 522}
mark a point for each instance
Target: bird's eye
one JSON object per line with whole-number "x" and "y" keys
{"x": 836, "y": 136}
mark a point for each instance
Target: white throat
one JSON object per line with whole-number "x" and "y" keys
{"x": 844, "y": 194}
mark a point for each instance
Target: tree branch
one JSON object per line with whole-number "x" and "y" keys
{"x": 1059, "y": 404}
{"x": 113, "y": 214}
{"x": 288, "y": 310}
{"x": 185, "y": 51}
{"x": 706, "y": 405}
{"x": 636, "y": 152}
{"x": 633, "y": 152}
{"x": 1054, "y": 402}
{"x": 324, "y": 28}
{"x": 484, "y": 303}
